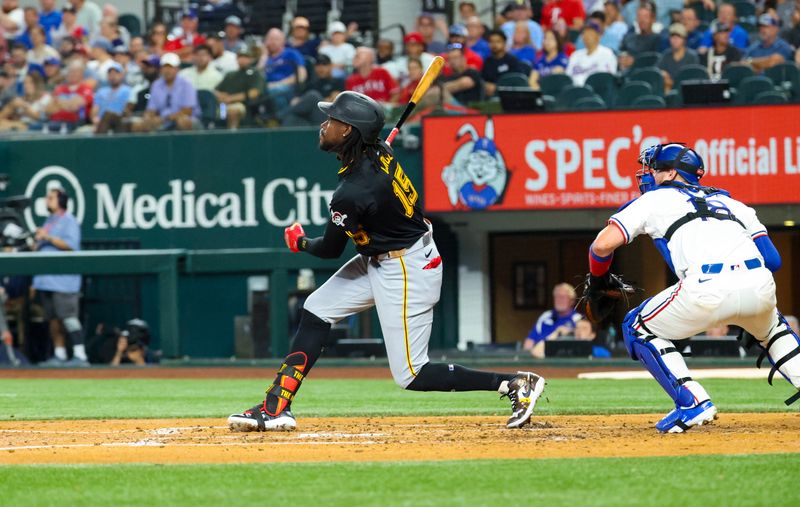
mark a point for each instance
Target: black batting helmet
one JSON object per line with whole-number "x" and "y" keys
{"x": 358, "y": 110}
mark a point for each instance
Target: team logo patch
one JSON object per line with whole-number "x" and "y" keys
{"x": 338, "y": 218}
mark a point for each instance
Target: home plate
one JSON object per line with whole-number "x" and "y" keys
{"x": 736, "y": 373}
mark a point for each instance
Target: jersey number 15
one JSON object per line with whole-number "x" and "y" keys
{"x": 405, "y": 191}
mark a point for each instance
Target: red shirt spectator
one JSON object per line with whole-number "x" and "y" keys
{"x": 64, "y": 107}
{"x": 189, "y": 38}
{"x": 374, "y": 82}
{"x": 571, "y": 11}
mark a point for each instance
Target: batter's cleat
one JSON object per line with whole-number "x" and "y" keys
{"x": 523, "y": 391}
{"x": 681, "y": 419}
{"x": 257, "y": 419}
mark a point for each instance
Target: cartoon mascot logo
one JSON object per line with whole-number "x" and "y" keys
{"x": 477, "y": 176}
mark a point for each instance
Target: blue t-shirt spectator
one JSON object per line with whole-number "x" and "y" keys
{"x": 780, "y": 46}
{"x": 533, "y": 28}
{"x": 550, "y": 321}
{"x": 482, "y": 48}
{"x": 25, "y": 38}
{"x": 546, "y": 67}
{"x": 50, "y": 21}
{"x": 110, "y": 100}
{"x": 283, "y": 65}
{"x": 167, "y": 101}
{"x": 739, "y": 38}
{"x": 65, "y": 227}
{"x": 525, "y": 53}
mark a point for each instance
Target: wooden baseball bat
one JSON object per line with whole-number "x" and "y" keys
{"x": 431, "y": 73}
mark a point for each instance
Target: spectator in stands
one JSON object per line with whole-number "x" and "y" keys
{"x": 415, "y": 72}
{"x": 785, "y": 11}
{"x": 241, "y": 87}
{"x": 551, "y": 60}
{"x": 40, "y": 51}
{"x": 68, "y": 29}
{"x": 136, "y": 46}
{"x": 284, "y": 69}
{"x": 157, "y": 38}
{"x": 113, "y": 32}
{"x": 562, "y": 32}
{"x": 521, "y": 45}
{"x": 644, "y": 41}
{"x": 49, "y": 16}
{"x": 559, "y": 321}
{"x": 72, "y": 100}
{"x": 667, "y": 12}
{"x": 110, "y": 102}
{"x": 614, "y": 26}
{"x": 475, "y": 40}
{"x": 101, "y": 61}
{"x": 722, "y": 53}
{"x": 499, "y": 62}
{"x": 464, "y": 82}
{"x": 60, "y": 294}
{"x": 8, "y": 88}
{"x": 88, "y": 15}
{"x": 150, "y": 73}
{"x": 187, "y": 38}
{"x": 458, "y": 35}
{"x": 770, "y": 50}
{"x": 726, "y": 14}
{"x": 677, "y": 56}
{"x": 384, "y": 52}
{"x": 173, "y": 101}
{"x": 571, "y": 11}
{"x": 599, "y": 17}
{"x": 466, "y": 10}
{"x": 427, "y": 26}
{"x": 202, "y": 75}
{"x": 520, "y": 13}
{"x": 694, "y": 36}
{"x": 233, "y": 34}
{"x": 27, "y": 111}
{"x": 301, "y": 38}
{"x": 322, "y": 86}
{"x": 414, "y": 48}
{"x": 131, "y": 69}
{"x": 12, "y": 19}
{"x": 374, "y": 82}
{"x": 223, "y": 60}
{"x": 338, "y": 49}
{"x": 792, "y": 33}
{"x": 52, "y": 73}
{"x": 593, "y": 58}
{"x": 31, "y": 18}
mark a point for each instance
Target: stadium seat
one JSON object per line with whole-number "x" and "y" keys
{"x": 649, "y": 102}
{"x": 131, "y": 23}
{"x": 605, "y": 85}
{"x": 673, "y": 98}
{"x": 703, "y": 14}
{"x": 209, "y": 108}
{"x": 750, "y": 87}
{"x": 570, "y": 95}
{"x": 690, "y": 73}
{"x": 646, "y": 59}
{"x": 745, "y": 11}
{"x": 553, "y": 83}
{"x": 516, "y": 79}
{"x": 650, "y": 75}
{"x": 591, "y": 103}
{"x": 630, "y": 91}
{"x": 770, "y": 97}
{"x": 785, "y": 76}
{"x": 735, "y": 73}
{"x": 573, "y": 34}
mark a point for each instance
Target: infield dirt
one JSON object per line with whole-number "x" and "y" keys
{"x": 187, "y": 441}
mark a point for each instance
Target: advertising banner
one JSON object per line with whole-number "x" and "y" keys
{"x": 588, "y": 160}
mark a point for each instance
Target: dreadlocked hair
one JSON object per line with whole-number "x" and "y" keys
{"x": 354, "y": 149}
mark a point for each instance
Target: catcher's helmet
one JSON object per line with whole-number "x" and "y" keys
{"x": 358, "y": 110}
{"x": 663, "y": 157}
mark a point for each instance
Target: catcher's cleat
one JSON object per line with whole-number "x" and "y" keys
{"x": 257, "y": 419}
{"x": 681, "y": 419}
{"x": 523, "y": 391}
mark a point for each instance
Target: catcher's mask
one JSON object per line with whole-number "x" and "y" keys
{"x": 663, "y": 157}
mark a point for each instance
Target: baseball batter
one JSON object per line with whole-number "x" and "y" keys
{"x": 724, "y": 260}
{"x": 397, "y": 269}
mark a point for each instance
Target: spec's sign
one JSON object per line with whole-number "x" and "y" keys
{"x": 588, "y": 160}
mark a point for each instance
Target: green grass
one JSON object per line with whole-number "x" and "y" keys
{"x": 706, "y": 481}
{"x": 125, "y": 398}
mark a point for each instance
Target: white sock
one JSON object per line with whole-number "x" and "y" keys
{"x": 61, "y": 353}
{"x": 79, "y": 351}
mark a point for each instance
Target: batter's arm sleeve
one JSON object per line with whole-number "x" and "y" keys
{"x": 329, "y": 246}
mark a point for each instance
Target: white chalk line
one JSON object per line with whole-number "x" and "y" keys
{"x": 163, "y": 444}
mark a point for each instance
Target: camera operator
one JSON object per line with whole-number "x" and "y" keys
{"x": 133, "y": 343}
{"x": 60, "y": 294}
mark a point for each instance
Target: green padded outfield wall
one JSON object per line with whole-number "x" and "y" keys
{"x": 196, "y": 191}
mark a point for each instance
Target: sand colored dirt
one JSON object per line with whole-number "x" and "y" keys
{"x": 387, "y": 439}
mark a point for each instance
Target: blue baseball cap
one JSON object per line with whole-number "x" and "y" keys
{"x": 52, "y": 61}
{"x": 115, "y": 66}
{"x": 768, "y": 20}
{"x": 459, "y": 30}
{"x": 103, "y": 43}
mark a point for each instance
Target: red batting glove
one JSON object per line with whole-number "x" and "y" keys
{"x": 292, "y": 234}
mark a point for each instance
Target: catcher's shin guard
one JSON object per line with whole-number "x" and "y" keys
{"x": 281, "y": 393}
{"x": 782, "y": 348}
{"x": 662, "y": 359}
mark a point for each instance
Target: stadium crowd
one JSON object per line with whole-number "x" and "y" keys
{"x": 73, "y": 66}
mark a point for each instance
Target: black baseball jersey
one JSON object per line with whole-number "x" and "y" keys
{"x": 375, "y": 205}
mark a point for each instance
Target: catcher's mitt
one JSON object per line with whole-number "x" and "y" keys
{"x": 601, "y": 294}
